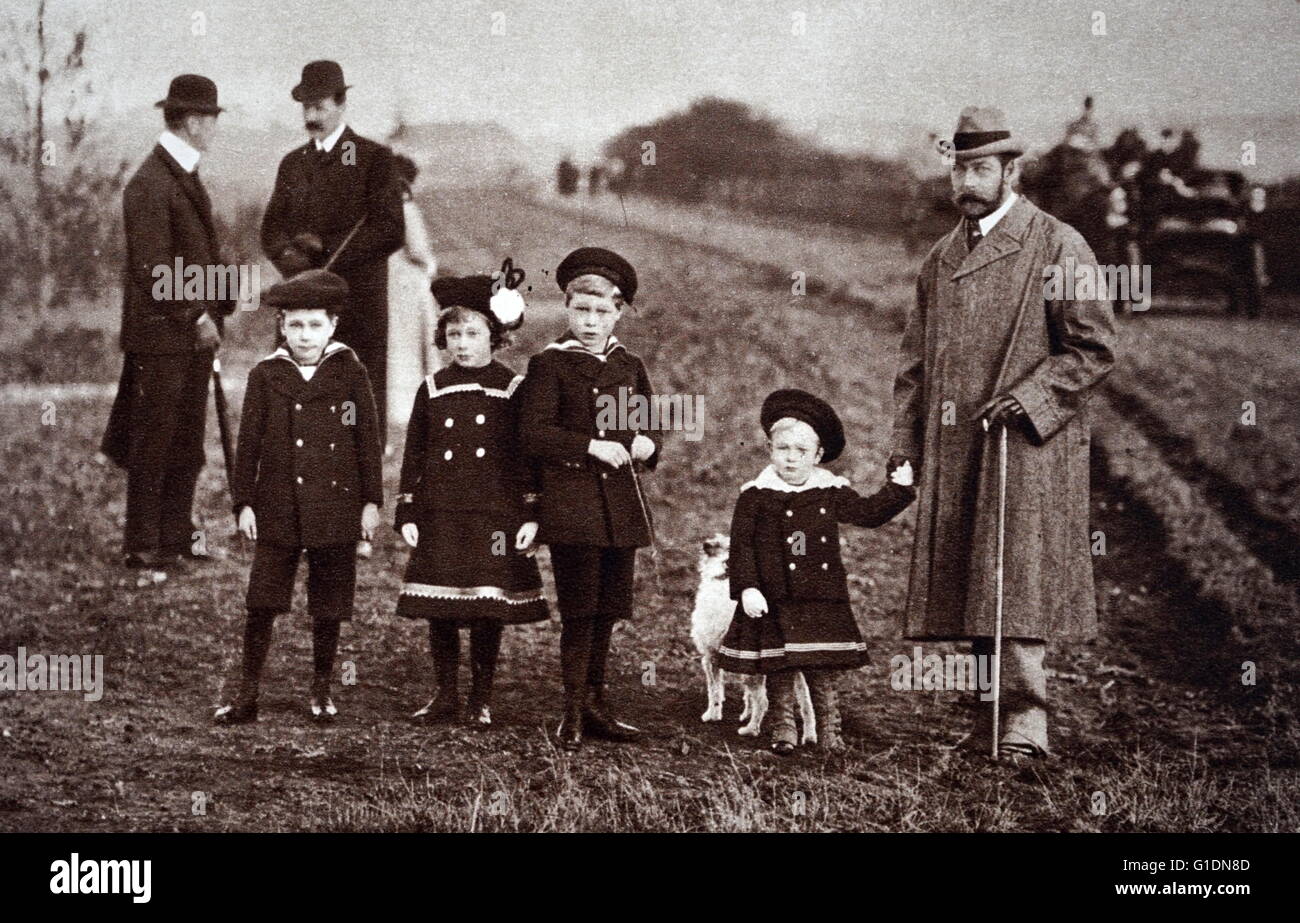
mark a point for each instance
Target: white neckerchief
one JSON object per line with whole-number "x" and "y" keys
{"x": 307, "y": 371}
{"x": 570, "y": 343}
{"x": 990, "y": 221}
{"x": 331, "y": 139}
{"x": 184, "y": 153}
{"x": 768, "y": 479}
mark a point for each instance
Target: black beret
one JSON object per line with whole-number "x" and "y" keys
{"x": 601, "y": 262}
{"x": 473, "y": 292}
{"x": 791, "y": 402}
{"x": 311, "y": 288}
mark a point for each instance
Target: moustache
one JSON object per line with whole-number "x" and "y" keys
{"x": 313, "y": 125}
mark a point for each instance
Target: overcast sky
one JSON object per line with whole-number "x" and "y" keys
{"x": 865, "y": 74}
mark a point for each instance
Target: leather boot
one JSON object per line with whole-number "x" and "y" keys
{"x": 780, "y": 692}
{"x": 599, "y": 723}
{"x": 243, "y": 710}
{"x": 569, "y": 733}
{"x": 826, "y": 706}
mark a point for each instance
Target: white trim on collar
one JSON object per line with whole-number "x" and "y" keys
{"x": 331, "y": 139}
{"x": 572, "y": 344}
{"x": 990, "y": 221}
{"x": 184, "y": 153}
{"x": 435, "y": 391}
{"x": 332, "y": 347}
{"x": 768, "y": 479}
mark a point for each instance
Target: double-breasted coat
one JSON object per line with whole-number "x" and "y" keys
{"x": 984, "y": 324}
{"x": 468, "y": 488}
{"x": 309, "y": 455}
{"x": 785, "y": 542}
{"x": 326, "y": 194}
{"x": 568, "y": 393}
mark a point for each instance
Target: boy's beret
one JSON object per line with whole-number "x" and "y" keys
{"x": 791, "y": 402}
{"x": 601, "y": 262}
{"x": 312, "y": 288}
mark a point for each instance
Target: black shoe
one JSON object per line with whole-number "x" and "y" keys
{"x": 569, "y": 732}
{"x": 148, "y": 560}
{"x": 240, "y": 712}
{"x": 442, "y": 707}
{"x": 601, "y": 724}
{"x": 322, "y": 706}
{"x": 478, "y": 711}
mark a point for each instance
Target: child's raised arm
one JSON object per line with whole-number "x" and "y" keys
{"x": 876, "y": 510}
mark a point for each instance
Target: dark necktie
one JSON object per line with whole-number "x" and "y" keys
{"x": 973, "y": 235}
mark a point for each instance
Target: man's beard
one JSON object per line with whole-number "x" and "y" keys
{"x": 989, "y": 205}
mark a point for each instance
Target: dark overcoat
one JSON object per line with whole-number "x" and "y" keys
{"x": 309, "y": 453}
{"x": 166, "y": 214}
{"x": 326, "y": 194}
{"x": 984, "y": 324}
{"x": 584, "y": 501}
{"x": 785, "y": 541}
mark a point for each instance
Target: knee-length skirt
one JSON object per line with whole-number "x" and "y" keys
{"x": 465, "y": 568}
{"x": 794, "y": 635}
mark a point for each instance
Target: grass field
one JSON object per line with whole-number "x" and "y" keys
{"x": 1153, "y": 726}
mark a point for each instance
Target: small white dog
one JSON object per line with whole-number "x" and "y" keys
{"x": 709, "y": 623}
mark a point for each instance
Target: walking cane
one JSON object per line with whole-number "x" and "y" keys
{"x": 223, "y": 421}
{"x": 347, "y": 240}
{"x": 650, "y": 526}
{"x": 997, "y": 611}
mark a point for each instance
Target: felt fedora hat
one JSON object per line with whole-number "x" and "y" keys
{"x": 319, "y": 79}
{"x": 981, "y": 131}
{"x": 191, "y": 93}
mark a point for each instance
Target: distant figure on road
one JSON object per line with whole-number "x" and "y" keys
{"x": 985, "y": 342}
{"x": 156, "y": 427}
{"x": 566, "y": 177}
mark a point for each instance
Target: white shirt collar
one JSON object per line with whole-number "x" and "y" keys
{"x": 332, "y": 138}
{"x": 181, "y": 150}
{"x": 820, "y": 477}
{"x": 989, "y": 221}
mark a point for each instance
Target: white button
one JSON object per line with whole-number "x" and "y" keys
{"x": 823, "y": 538}
{"x": 791, "y": 565}
{"x": 479, "y": 452}
{"x": 297, "y": 406}
{"x": 480, "y": 419}
{"x": 334, "y": 483}
{"x": 448, "y": 422}
{"x": 331, "y": 408}
{"x": 331, "y": 447}
{"x": 601, "y": 433}
{"x": 824, "y": 566}
{"x": 447, "y": 455}
{"x": 789, "y": 512}
{"x": 300, "y": 443}
{"x": 822, "y": 511}
{"x": 789, "y": 539}
{"x": 300, "y": 479}
{"x": 603, "y": 475}
{"x": 595, "y": 390}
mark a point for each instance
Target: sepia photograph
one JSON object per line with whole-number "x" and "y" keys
{"x": 616, "y": 417}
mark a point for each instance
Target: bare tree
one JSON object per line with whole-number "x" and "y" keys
{"x": 53, "y": 228}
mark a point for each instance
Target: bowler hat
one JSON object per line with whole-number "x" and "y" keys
{"x": 311, "y": 288}
{"x": 319, "y": 79}
{"x": 191, "y": 93}
{"x": 791, "y": 402}
{"x": 600, "y": 262}
{"x": 981, "y": 131}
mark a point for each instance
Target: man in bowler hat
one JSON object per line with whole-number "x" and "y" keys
{"x": 323, "y": 191}
{"x": 156, "y": 427}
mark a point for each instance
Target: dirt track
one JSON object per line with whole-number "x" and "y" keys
{"x": 1153, "y": 715}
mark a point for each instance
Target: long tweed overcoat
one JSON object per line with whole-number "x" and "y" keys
{"x": 983, "y": 324}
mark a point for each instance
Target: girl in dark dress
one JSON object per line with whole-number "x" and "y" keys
{"x": 467, "y": 496}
